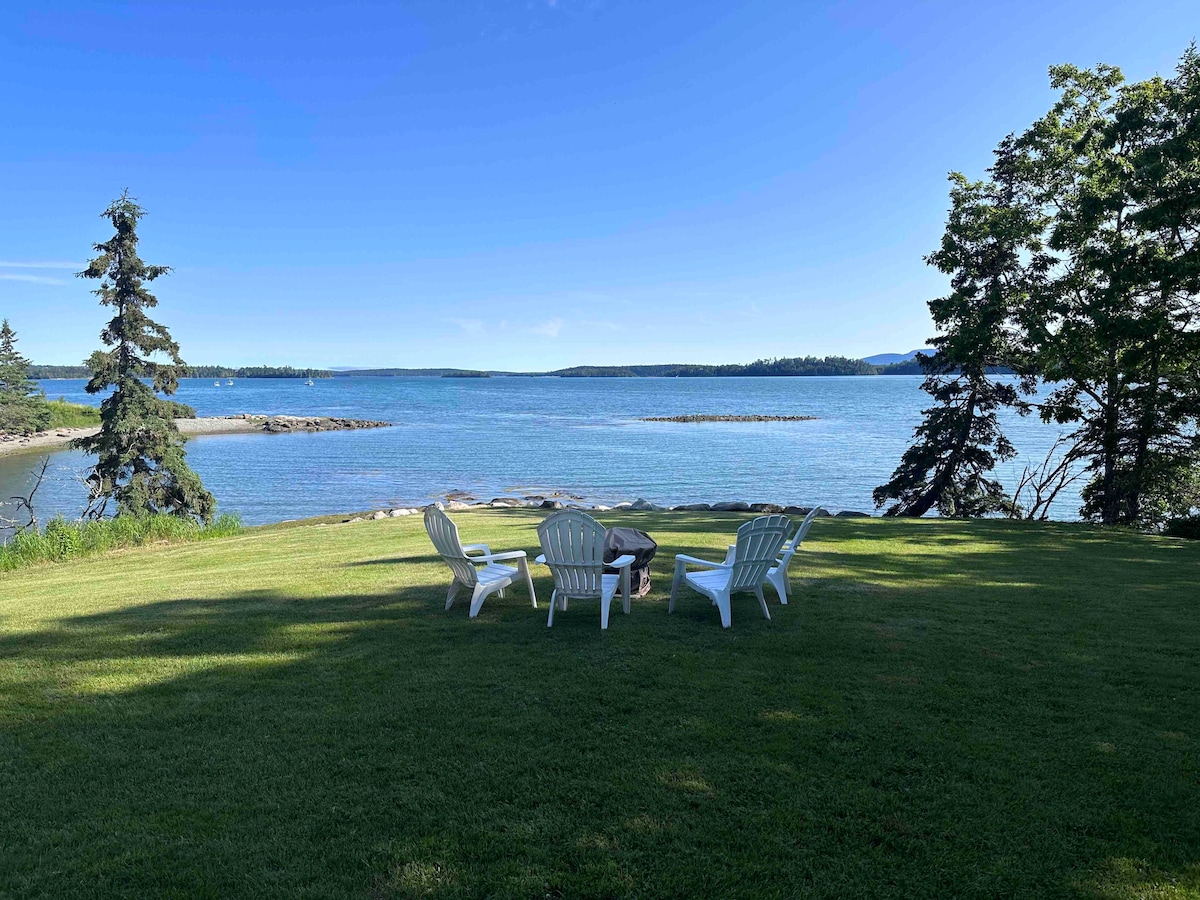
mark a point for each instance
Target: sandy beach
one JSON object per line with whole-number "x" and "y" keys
{"x": 241, "y": 424}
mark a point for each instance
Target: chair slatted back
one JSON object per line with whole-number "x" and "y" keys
{"x": 444, "y": 534}
{"x": 758, "y": 544}
{"x": 801, "y": 533}
{"x": 573, "y": 543}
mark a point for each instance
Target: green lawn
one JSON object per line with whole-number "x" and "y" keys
{"x": 991, "y": 709}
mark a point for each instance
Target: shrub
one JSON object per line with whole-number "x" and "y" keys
{"x": 1188, "y": 527}
{"x": 63, "y": 539}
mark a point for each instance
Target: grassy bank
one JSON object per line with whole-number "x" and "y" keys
{"x": 986, "y": 709}
{"x": 61, "y": 540}
{"x": 72, "y": 415}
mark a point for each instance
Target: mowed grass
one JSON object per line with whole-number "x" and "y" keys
{"x": 986, "y": 709}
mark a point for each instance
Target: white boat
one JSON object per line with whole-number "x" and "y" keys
{"x": 230, "y": 382}
{"x": 310, "y": 382}
{"x": 216, "y": 384}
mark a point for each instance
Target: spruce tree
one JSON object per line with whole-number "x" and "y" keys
{"x": 22, "y": 407}
{"x": 140, "y": 457}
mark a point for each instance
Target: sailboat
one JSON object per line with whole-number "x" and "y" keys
{"x": 310, "y": 382}
{"x": 230, "y": 382}
{"x": 217, "y": 383}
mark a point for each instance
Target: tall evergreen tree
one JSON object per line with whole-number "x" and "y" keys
{"x": 960, "y": 440}
{"x": 140, "y": 456}
{"x": 22, "y": 408}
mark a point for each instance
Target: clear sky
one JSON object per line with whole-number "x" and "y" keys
{"x": 519, "y": 184}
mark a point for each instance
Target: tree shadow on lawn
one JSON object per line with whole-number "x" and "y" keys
{"x": 861, "y": 742}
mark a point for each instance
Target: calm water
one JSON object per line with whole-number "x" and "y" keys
{"x": 533, "y": 435}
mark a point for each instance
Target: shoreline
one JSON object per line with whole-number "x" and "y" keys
{"x": 244, "y": 423}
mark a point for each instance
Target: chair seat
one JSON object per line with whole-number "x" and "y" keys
{"x": 712, "y": 580}
{"x": 494, "y": 572}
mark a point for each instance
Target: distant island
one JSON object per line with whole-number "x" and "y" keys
{"x": 906, "y": 364}
{"x": 47, "y": 372}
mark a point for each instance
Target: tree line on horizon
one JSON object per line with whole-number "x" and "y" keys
{"x": 50, "y": 372}
{"x": 1075, "y": 263}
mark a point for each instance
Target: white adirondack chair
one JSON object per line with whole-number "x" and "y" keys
{"x": 573, "y": 548}
{"x": 777, "y": 576}
{"x": 481, "y": 574}
{"x": 745, "y": 567}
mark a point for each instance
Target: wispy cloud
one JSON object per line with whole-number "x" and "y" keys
{"x": 31, "y": 279}
{"x": 43, "y": 264}
{"x": 470, "y": 326}
{"x": 549, "y": 328}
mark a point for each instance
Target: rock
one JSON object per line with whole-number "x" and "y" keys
{"x": 641, "y": 504}
{"x": 797, "y": 510}
{"x": 731, "y": 506}
{"x": 457, "y": 504}
{"x": 823, "y": 513}
{"x": 440, "y": 506}
{"x": 551, "y": 504}
{"x": 506, "y": 502}
{"x": 766, "y": 508}
{"x": 693, "y": 507}
{"x": 852, "y": 514}
{"x": 379, "y": 514}
{"x": 600, "y": 507}
{"x": 397, "y": 513}
{"x": 355, "y": 519}
{"x": 623, "y": 505}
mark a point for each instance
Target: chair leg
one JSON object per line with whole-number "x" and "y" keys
{"x": 451, "y": 594}
{"x": 779, "y": 582}
{"x": 477, "y": 598}
{"x": 553, "y": 604}
{"x": 762, "y": 601}
{"x": 626, "y": 578}
{"x": 605, "y": 603}
{"x": 680, "y": 568}
{"x": 528, "y": 582}
{"x": 723, "y": 607}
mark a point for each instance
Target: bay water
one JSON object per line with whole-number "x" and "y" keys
{"x": 513, "y": 436}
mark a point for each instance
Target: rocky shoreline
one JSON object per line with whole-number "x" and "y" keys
{"x": 702, "y": 418}
{"x": 244, "y": 423}
{"x": 465, "y": 503}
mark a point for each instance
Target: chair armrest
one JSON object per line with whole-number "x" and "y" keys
{"x": 541, "y": 560}
{"x": 507, "y": 554}
{"x": 691, "y": 560}
{"x": 621, "y": 562}
{"x": 477, "y": 548}
{"x": 731, "y": 554}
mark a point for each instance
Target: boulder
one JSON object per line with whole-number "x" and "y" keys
{"x": 643, "y": 505}
{"x": 457, "y": 504}
{"x": 823, "y": 513}
{"x": 600, "y": 507}
{"x": 766, "y": 508}
{"x": 623, "y": 505}
{"x": 397, "y": 513}
{"x": 355, "y": 519}
{"x": 797, "y": 510}
{"x": 732, "y": 506}
{"x": 379, "y": 514}
{"x": 506, "y": 502}
{"x": 693, "y": 507}
{"x": 852, "y": 514}
{"x": 551, "y": 504}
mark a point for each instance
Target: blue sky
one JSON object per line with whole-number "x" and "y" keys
{"x": 524, "y": 184}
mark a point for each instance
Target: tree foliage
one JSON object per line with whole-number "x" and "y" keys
{"x": 1092, "y": 218}
{"x": 140, "y": 457}
{"x": 22, "y": 406}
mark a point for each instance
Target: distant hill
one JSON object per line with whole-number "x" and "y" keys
{"x": 887, "y": 359}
